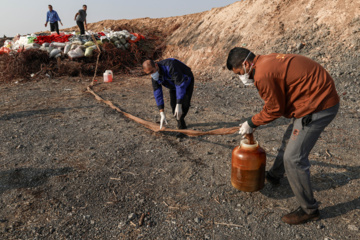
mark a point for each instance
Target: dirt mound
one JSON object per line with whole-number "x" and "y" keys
{"x": 325, "y": 31}
{"x": 22, "y": 64}
{"x": 267, "y": 26}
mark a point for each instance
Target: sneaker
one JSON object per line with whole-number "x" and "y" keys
{"x": 273, "y": 180}
{"x": 299, "y": 216}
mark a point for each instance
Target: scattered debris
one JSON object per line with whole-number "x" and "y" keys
{"x": 328, "y": 153}
{"x": 353, "y": 228}
{"x": 228, "y": 224}
{"x": 141, "y": 221}
{"x": 197, "y": 220}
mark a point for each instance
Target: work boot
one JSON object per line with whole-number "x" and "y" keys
{"x": 181, "y": 124}
{"x": 273, "y": 180}
{"x": 299, "y": 216}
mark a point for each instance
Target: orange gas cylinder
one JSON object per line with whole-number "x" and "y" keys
{"x": 248, "y": 166}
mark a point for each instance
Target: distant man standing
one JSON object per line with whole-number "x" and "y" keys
{"x": 178, "y": 78}
{"x": 295, "y": 87}
{"x": 53, "y": 18}
{"x": 80, "y": 18}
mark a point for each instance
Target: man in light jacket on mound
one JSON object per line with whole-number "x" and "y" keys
{"x": 295, "y": 87}
{"x": 178, "y": 78}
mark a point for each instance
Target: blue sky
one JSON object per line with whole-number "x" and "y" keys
{"x": 25, "y": 16}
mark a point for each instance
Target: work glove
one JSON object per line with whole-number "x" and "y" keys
{"x": 178, "y": 111}
{"x": 245, "y": 128}
{"x": 162, "y": 119}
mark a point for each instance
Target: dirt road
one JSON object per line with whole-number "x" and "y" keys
{"x": 72, "y": 168}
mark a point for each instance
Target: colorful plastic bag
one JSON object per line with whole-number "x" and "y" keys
{"x": 4, "y": 50}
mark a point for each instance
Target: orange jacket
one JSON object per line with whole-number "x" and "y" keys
{"x": 292, "y": 86}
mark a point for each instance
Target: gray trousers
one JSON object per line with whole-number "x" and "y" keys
{"x": 299, "y": 139}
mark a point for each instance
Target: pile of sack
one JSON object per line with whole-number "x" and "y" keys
{"x": 71, "y": 45}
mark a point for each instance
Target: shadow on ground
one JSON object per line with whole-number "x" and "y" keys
{"x": 27, "y": 177}
{"x": 23, "y": 114}
{"x": 340, "y": 209}
{"x": 322, "y": 182}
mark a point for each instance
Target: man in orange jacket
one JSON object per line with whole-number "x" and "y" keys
{"x": 295, "y": 87}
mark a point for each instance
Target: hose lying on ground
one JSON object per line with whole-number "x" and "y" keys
{"x": 155, "y": 127}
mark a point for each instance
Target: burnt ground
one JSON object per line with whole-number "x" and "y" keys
{"x": 72, "y": 168}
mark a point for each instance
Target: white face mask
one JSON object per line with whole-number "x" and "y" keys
{"x": 246, "y": 77}
{"x": 155, "y": 75}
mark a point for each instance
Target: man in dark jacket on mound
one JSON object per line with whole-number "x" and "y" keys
{"x": 178, "y": 78}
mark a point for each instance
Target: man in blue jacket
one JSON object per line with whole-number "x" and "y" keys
{"x": 53, "y": 18}
{"x": 178, "y": 78}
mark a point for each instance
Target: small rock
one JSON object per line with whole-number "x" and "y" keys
{"x": 197, "y": 220}
{"x": 353, "y": 228}
{"x": 131, "y": 216}
{"x": 20, "y": 146}
{"x": 92, "y": 222}
{"x": 320, "y": 226}
{"x": 300, "y": 46}
{"x": 121, "y": 225}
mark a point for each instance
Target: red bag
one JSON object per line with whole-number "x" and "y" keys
{"x": 52, "y": 38}
{"x": 138, "y": 38}
{"x": 4, "y": 50}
